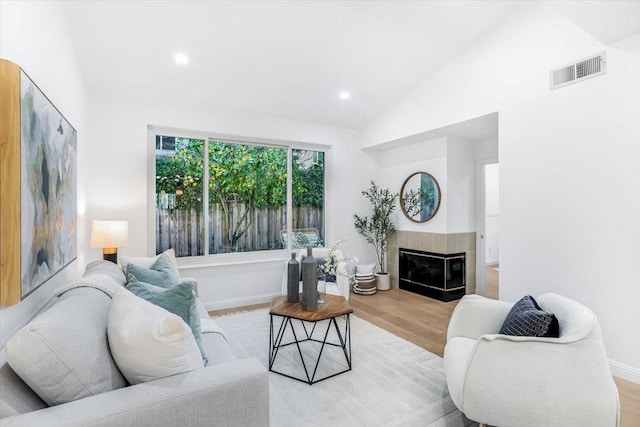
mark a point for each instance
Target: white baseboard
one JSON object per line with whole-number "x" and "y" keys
{"x": 240, "y": 302}
{"x": 625, "y": 372}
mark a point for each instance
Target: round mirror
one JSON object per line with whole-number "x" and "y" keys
{"x": 420, "y": 197}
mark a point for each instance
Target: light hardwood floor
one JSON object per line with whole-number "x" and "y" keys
{"x": 423, "y": 321}
{"x": 492, "y": 281}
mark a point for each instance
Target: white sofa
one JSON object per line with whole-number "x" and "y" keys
{"x": 504, "y": 380}
{"x": 340, "y": 287}
{"x": 228, "y": 391}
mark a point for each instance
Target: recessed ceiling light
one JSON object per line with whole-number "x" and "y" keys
{"x": 344, "y": 95}
{"x": 181, "y": 59}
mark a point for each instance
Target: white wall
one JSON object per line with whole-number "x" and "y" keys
{"x": 394, "y": 165}
{"x": 34, "y": 36}
{"x": 487, "y": 149}
{"x": 630, "y": 44}
{"x": 492, "y": 213}
{"x": 118, "y": 183}
{"x": 569, "y": 164}
{"x": 461, "y": 185}
{"x": 452, "y": 162}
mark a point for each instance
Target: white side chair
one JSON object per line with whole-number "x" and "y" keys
{"x": 340, "y": 287}
{"x": 503, "y": 380}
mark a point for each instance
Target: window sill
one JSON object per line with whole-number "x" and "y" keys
{"x": 222, "y": 260}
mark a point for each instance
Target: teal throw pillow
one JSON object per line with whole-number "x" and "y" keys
{"x": 163, "y": 272}
{"x": 179, "y": 299}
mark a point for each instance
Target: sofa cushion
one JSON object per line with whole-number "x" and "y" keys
{"x": 147, "y": 341}
{"x": 162, "y": 272}
{"x": 102, "y": 282}
{"x": 106, "y": 268}
{"x": 63, "y": 354}
{"x": 16, "y": 397}
{"x": 526, "y": 318}
{"x": 179, "y": 299}
{"x": 218, "y": 349}
{"x": 146, "y": 262}
{"x": 202, "y": 311}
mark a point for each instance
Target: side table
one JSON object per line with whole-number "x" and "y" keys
{"x": 333, "y": 307}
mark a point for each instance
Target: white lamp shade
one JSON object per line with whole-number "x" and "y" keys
{"x": 109, "y": 234}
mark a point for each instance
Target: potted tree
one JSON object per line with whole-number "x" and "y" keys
{"x": 378, "y": 228}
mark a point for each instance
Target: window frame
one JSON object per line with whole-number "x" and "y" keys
{"x": 233, "y": 258}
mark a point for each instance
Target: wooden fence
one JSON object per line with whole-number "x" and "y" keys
{"x": 183, "y": 230}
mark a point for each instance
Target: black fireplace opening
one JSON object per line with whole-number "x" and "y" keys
{"x": 439, "y": 276}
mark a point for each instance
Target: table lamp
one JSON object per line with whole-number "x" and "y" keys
{"x": 109, "y": 235}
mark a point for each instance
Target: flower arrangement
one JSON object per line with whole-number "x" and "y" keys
{"x": 333, "y": 258}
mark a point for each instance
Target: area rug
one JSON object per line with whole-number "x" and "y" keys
{"x": 392, "y": 382}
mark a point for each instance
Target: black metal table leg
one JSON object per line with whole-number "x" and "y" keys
{"x": 275, "y": 341}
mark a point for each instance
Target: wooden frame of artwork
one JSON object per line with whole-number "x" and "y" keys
{"x": 38, "y": 201}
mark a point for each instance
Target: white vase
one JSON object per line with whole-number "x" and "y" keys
{"x": 383, "y": 281}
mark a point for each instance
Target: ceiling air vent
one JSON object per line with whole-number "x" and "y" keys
{"x": 579, "y": 71}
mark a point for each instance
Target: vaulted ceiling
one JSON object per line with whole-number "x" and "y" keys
{"x": 291, "y": 59}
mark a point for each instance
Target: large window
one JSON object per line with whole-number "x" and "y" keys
{"x": 244, "y": 206}
{"x": 308, "y": 198}
{"x": 179, "y": 196}
{"x": 247, "y": 197}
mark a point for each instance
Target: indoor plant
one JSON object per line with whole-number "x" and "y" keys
{"x": 378, "y": 227}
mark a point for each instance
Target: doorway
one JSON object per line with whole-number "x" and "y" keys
{"x": 491, "y": 237}
{"x": 488, "y": 227}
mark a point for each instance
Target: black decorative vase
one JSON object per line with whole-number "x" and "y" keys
{"x": 293, "y": 279}
{"x": 309, "y": 282}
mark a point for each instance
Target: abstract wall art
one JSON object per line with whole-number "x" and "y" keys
{"x": 48, "y": 187}
{"x": 38, "y": 202}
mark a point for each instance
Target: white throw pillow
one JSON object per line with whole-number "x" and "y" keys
{"x": 365, "y": 269}
{"x": 63, "y": 354}
{"x": 351, "y": 266}
{"x": 149, "y": 342}
{"x": 146, "y": 262}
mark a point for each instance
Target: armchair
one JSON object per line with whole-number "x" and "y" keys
{"x": 504, "y": 380}
{"x": 341, "y": 286}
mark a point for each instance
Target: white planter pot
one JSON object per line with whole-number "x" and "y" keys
{"x": 383, "y": 281}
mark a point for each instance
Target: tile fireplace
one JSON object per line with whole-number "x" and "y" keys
{"x": 440, "y": 276}
{"x": 435, "y": 243}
